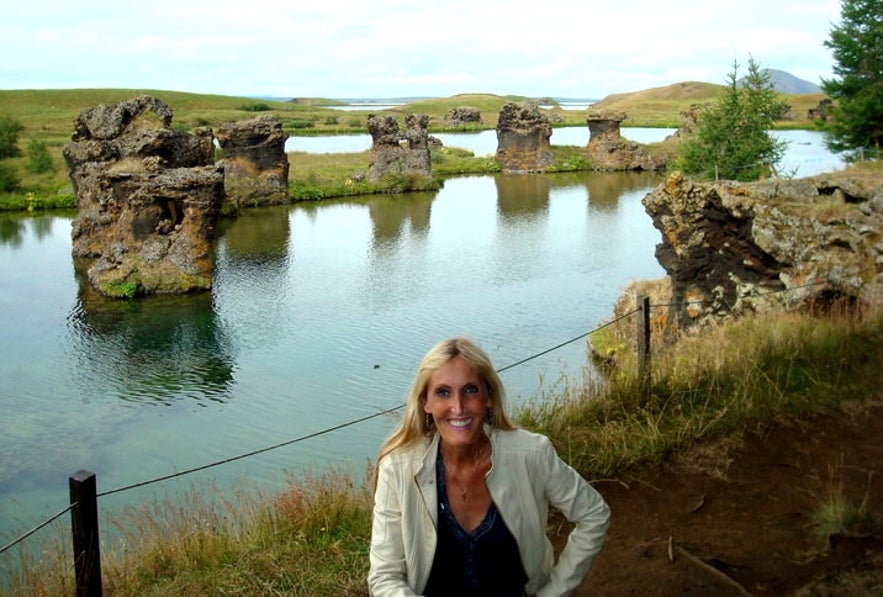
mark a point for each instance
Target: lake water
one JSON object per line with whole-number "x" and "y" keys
{"x": 318, "y": 316}
{"x": 806, "y": 154}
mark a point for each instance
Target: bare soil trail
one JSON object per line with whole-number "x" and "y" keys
{"x": 736, "y": 518}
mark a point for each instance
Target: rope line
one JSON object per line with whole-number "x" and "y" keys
{"x": 345, "y": 424}
{"x": 337, "y": 427}
{"x": 252, "y": 453}
{"x": 565, "y": 343}
{"x": 37, "y": 528}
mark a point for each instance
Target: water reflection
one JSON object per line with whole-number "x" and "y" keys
{"x": 606, "y": 189}
{"x": 523, "y": 195}
{"x": 156, "y": 350}
{"x": 12, "y": 231}
{"x": 257, "y": 236}
{"x": 14, "y": 228}
{"x": 253, "y": 255}
{"x": 390, "y": 215}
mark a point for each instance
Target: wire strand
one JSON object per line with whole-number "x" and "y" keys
{"x": 37, "y": 528}
{"x": 345, "y": 424}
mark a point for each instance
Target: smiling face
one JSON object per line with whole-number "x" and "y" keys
{"x": 458, "y": 401}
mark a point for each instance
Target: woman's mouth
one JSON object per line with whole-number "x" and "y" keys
{"x": 460, "y": 423}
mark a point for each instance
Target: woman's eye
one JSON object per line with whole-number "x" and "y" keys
{"x": 471, "y": 389}
{"x": 442, "y": 392}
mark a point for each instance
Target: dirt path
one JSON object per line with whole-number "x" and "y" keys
{"x": 736, "y": 519}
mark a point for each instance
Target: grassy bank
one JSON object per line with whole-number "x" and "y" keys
{"x": 47, "y": 117}
{"x": 313, "y": 538}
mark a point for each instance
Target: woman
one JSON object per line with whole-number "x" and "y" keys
{"x": 462, "y": 495}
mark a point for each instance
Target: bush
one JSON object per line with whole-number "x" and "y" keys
{"x": 39, "y": 160}
{"x": 258, "y": 107}
{"x": 9, "y": 130}
{"x": 301, "y": 123}
{"x": 9, "y": 179}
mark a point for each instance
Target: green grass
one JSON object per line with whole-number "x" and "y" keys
{"x": 48, "y": 115}
{"x": 313, "y": 538}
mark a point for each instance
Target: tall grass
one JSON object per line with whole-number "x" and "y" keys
{"x": 738, "y": 376}
{"x": 313, "y": 538}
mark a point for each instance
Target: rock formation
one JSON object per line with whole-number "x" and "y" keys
{"x": 523, "y": 134}
{"x": 462, "y": 116}
{"x": 255, "y": 163}
{"x": 731, "y": 248}
{"x": 608, "y": 150}
{"x": 148, "y": 198}
{"x": 397, "y": 152}
{"x": 821, "y": 111}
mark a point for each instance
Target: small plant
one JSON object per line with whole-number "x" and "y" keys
{"x": 9, "y": 180}
{"x": 837, "y": 514}
{"x": 331, "y": 120}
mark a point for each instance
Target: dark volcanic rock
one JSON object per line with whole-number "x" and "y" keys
{"x": 255, "y": 163}
{"x": 148, "y": 197}
{"x": 731, "y": 247}
{"x": 608, "y": 150}
{"x": 523, "y": 134}
{"x": 397, "y": 152}
{"x": 462, "y": 116}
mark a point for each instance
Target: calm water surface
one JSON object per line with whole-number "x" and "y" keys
{"x": 318, "y": 316}
{"x": 806, "y": 154}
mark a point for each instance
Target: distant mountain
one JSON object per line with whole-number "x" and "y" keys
{"x": 787, "y": 83}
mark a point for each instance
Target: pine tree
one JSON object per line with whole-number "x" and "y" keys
{"x": 857, "y": 90}
{"x": 731, "y": 139}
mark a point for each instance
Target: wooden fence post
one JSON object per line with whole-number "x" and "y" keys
{"x": 84, "y": 527}
{"x": 643, "y": 338}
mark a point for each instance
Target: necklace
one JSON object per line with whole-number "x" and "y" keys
{"x": 463, "y": 487}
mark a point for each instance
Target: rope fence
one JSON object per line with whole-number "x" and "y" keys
{"x": 84, "y": 495}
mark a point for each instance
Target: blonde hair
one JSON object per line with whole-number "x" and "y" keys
{"x": 413, "y": 427}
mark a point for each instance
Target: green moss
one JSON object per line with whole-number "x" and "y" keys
{"x": 121, "y": 289}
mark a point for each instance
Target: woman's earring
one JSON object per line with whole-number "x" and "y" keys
{"x": 428, "y": 421}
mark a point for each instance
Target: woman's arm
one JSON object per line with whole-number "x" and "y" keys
{"x": 387, "y": 575}
{"x": 582, "y": 505}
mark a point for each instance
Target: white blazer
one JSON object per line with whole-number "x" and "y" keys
{"x": 526, "y": 476}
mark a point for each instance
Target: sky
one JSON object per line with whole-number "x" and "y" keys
{"x": 407, "y": 48}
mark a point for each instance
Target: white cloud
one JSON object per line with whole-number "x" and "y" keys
{"x": 352, "y": 48}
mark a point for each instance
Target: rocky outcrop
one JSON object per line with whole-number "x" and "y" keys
{"x": 255, "y": 163}
{"x": 822, "y": 110}
{"x": 399, "y": 152}
{"x": 523, "y": 134}
{"x": 148, "y": 197}
{"x": 608, "y": 150}
{"x": 732, "y": 248}
{"x": 463, "y": 116}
